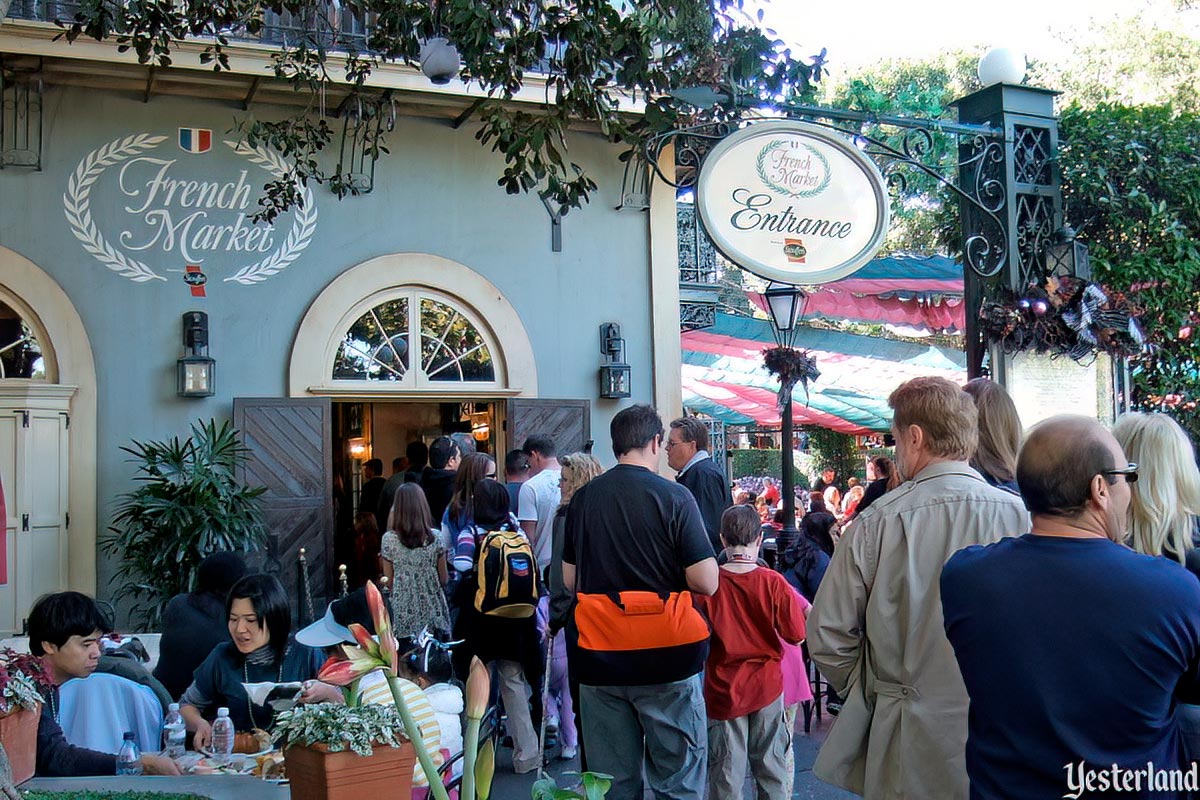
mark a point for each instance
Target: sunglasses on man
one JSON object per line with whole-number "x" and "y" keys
{"x": 1130, "y": 472}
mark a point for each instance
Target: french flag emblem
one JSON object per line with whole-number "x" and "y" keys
{"x": 195, "y": 140}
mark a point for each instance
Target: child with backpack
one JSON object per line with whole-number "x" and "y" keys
{"x": 752, "y": 613}
{"x": 496, "y": 604}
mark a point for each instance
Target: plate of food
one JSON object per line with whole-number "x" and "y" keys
{"x": 253, "y": 744}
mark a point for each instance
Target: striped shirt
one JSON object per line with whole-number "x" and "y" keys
{"x": 372, "y": 689}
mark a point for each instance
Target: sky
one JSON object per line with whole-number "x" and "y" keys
{"x": 860, "y": 32}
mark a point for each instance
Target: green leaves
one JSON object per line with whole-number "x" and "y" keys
{"x": 340, "y": 727}
{"x": 595, "y": 786}
{"x": 188, "y": 504}
{"x": 1131, "y": 186}
{"x": 589, "y": 57}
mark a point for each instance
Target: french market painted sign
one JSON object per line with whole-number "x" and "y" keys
{"x": 792, "y": 202}
{"x": 181, "y": 210}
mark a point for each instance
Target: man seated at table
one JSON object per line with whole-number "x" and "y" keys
{"x": 65, "y": 630}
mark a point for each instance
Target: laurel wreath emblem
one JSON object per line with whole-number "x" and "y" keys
{"x": 77, "y": 207}
{"x": 303, "y": 226}
{"x": 762, "y": 171}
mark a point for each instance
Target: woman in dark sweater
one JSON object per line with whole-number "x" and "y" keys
{"x": 195, "y": 623}
{"x": 818, "y": 524}
{"x": 261, "y": 649}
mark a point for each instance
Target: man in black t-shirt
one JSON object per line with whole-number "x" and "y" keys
{"x": 632, "y": 530}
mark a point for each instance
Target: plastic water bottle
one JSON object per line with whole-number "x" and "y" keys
{"x": 174, "y": 732}
{"x": 222, "y": 737}
{"x": 129, "y": 759}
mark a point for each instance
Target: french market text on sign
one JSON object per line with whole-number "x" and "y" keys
{"x": 177, "y": 202}
{"x": 792, "y": 202}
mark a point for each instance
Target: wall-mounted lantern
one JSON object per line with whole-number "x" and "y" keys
{"x": 358, "y": 449}
{"x": 195, "y": 373}
{"x": 614, "y": 372}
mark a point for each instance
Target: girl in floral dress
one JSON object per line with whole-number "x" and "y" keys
{"x": 414, "y": 563}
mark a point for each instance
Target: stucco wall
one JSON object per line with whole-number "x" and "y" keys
{"x": 436, "y": 193}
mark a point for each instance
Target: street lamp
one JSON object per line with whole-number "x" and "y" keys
{"x": 786, "y": 302}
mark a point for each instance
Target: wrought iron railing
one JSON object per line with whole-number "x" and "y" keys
{"x": 324, "y": 22}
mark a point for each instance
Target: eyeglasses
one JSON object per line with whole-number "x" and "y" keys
{"x": 1130, "y": 472}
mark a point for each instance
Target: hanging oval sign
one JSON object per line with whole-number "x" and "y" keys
{"x": 792, "y": 202}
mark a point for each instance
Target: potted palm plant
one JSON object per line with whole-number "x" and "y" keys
{"x": 23, "y": 678}
{"x": 188, "y": 504}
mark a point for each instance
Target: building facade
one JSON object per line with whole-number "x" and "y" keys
{"x": 344, "y": 330}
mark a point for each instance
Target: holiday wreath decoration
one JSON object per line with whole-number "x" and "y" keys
{"x": 1065, "y": 316}
{"x": 791, "y": 366}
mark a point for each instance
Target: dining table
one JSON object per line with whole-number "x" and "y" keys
{"x": 214, "y": 787}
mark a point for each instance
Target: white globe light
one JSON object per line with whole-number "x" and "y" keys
{"x": 1002, "y": 65}
{"x": 439, "y": 60}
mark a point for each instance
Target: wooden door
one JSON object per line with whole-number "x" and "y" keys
{"x": 33, "y": 472}
{"x": 568, "y": 422}
{"x": 289, "y": 440}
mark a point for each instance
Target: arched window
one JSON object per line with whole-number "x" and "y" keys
{"x": 416, "y": 338}
{"x": 20, "y": 354}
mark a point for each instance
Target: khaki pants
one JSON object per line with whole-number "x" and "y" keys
{"x": 761, "y": 739}
{"x": 789, "y": 761}
{"x": 527, "y": 756}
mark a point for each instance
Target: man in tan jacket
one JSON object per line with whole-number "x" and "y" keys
{"x": 876, "y": 629}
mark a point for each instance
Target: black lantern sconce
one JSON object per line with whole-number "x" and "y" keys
{"x": 195, "y": 373}
{"x": 614, "y": 372}
{"x": 1067, "y": 256}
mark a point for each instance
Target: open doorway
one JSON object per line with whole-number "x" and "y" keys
{"x": 382, "y": 429}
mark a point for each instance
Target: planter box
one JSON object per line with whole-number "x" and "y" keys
{"x": 18, "y": 734}
{"x": 317, "y": 774}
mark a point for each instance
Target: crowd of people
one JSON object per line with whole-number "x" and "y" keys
{"x": 998, "y": 612}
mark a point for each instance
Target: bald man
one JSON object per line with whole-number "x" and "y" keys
{"x": 1074, "y": 649}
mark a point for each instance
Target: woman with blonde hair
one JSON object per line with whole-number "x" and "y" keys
{"x": 562, "y": 694}
{"x": 1165, "y": 501}
{"x": 577, "y": 470}
{"x": 1164, "y": 510}
{"x": 999, "y": 434}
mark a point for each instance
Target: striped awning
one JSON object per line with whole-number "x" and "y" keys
{"x": 723, "y": 375}
{"x": 924, "y": 293}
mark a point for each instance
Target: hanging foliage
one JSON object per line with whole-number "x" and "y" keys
{"x": 589, "y": 58}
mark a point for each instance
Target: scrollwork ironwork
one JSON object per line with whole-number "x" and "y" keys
{"x": 914, "y": 151}
{"x": 694, "y": 316}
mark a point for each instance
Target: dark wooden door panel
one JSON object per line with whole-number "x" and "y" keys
{"x": 568, "y": 422}
{"x": 290, "y": 441}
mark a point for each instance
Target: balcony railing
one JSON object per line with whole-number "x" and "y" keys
{"x": 324, "y": 23}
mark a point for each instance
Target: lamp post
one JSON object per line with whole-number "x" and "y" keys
{"x": 785, "y": 302}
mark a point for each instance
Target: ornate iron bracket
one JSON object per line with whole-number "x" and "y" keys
{"x": 981, "y": 155}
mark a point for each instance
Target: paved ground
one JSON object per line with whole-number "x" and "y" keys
{"x": 509, "y": 786}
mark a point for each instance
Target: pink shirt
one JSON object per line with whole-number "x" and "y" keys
{"x": 796, "y": 688}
